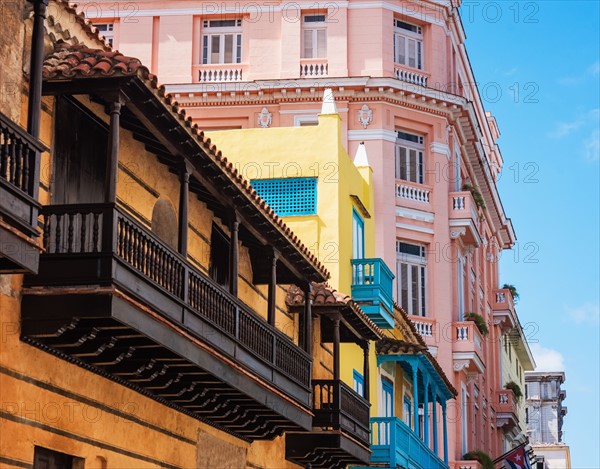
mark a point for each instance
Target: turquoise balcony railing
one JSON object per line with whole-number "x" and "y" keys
{"x": 372, "y": 282}
{"x": 395, "y": 444}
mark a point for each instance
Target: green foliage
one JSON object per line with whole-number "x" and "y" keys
{"x": 479, "y": 322}
{"x": 484, "y": 458}
{"x": 515, "y": 388}
{"x": 513, "y": 291}
{"x": 477, "y": 197}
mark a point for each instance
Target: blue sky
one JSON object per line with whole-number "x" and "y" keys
{"x": 537, "y": 65}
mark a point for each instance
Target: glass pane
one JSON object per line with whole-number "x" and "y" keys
{"x": 412, "y": 53}
{"x": 419, "y": 55}
{"x": 414, "y": 289}
{"x": 403, "y": 281}
{"x": 308, "y": 44}
{"x": 403, "y": 169}
{"x": 228, "y": 52}
{"x": 205, "y": 49}
{"x": 215, "y": 47}
{"x": 238, "y": 58}
{"x": 401, "y": 48}
{"x": 412, "y": 165}
{"x": 321, "y": 43}
{"x": 423, "y": 296}
{"x": 420, "y": 168}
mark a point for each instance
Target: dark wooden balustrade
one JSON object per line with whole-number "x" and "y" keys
{"x": 105, "y": 233}
{"x": 339, "y": 407}
{"x": 19, "y": 185}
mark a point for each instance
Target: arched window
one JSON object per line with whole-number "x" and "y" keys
{"x": 164, "y": 222}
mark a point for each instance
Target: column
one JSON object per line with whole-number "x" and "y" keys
{"x": 307, "y": 319}
{"x": 112, "y": 161}
{"x": 366, "y": 373}
{"x": 445, "y": 432}
{"x": 272, "y": 289}
{"x": 34, "y": 106}
{"x": 435, "y": 429}
{"x": 234, "y": 254}
{"x": 426, "y": 411}
{"x": 415, "y": 397}
{"x": 336, "y": 348}
{"x": 184, "y": 189}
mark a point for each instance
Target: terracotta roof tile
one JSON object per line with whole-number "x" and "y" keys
{"x": 63, "y": 64}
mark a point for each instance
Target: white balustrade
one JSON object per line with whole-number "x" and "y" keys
{"x": 500, "y": 297}
{"x": 425, "y": 329}
{"x": 462, "y": 332}
{"x": 409, "y": 76}
{"x": 220, "y": 75}
{"x": 417, "y": 194}
{"x": 313, "y": 69}
{"x": 458, "y": 202}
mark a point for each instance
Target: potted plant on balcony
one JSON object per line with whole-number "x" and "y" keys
{"x": 480, "y": 456}
{"x": 515, "y": 388}
{"x": 513, "y": 291}
{"x": 479, "y": 322}
{"x": 477, "y": 197}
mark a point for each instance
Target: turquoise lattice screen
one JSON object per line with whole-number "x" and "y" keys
{"x": 289, "y": 196}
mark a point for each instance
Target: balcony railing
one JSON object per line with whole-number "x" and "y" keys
{"x": 85, "y": 239}
{"x": 507, "y": 409}
{"x": 410, "y": 75}
{"x": 313, "y": 68}
{"x": 463, "y": 214}
{"x": 465, "y": 465}
{"x": 414, "y": 192}
{"x": 504, "y": 309}
{"x": 395, "y": 444}
{"x": 219, "y": 73}
{"x": 468, "y": 345}
{"x": 337, "y": 406}
{"x": 19, "y": 183}
{"x": 425, "y": 326}
{"x": 372, "y": 283}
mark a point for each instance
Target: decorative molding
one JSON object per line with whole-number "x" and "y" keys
{"x": 265, "y": 118}
{"x": 414, "y": 228}
{"x": 413, "y": 214}
{"x": 442, "y": 148}
{"x": 365, "y": 115}
{"x": 460, "y": 365}
{"x": 372, "y": 134}
{"x": 456, "y": 232}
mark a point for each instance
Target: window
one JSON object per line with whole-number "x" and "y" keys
{"x": 222, "y": 42}
{"x": 107, "y": 30}
{"x": 358, "y": 236}
{"x": 219, "y": 257}
{"x": 314, "y": 37}
{"x": 408, "y": 44}
{"x": 47, "y": 459}
{"x": 289, "y": 196}
{"x": 411, "y": 272}
{"x": 359, "y": 383}
{"x": 407, "y": 411}
{"x": 410, "y": 164}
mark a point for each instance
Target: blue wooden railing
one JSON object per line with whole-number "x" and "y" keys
{"x": 372, "y": 284}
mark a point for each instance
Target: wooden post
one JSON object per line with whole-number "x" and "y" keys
{"x": 415, "y": 397}
{"x": 336, "y": 348}
{"x": 445, "y": 432}
{"x": 366, "y": 379}
{"x": 112, "y": 161}
{"x": 273, "y": 289}
{"x": 34, "y": 106}
{"x": 184, "y": 190}
{"x": 435, "y": 424}
{"x": 234, "y": 254}
{"x": 426, "y": 411}
{"x": 307, "y": 319}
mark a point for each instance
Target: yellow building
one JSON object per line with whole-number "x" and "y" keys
{"x": 308, "y": 178}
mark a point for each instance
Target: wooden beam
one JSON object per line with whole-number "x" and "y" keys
{"x": 34, "y": 107}
{"x": 234, "y": 254}
{"x": 273, "y": 289}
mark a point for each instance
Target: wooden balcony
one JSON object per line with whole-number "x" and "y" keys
{"x": 467, "y": 347}
{"x": 19, "y": 184}
{"x": 372, "y": 284}
{"x": 340, "y": 435}
{"x": 463, "y": 217}
{"x": 395, "y": 444}
{"x": 117, "y": 300}
{"x": 503, "y": 307}
{"x": 507, "y": 410}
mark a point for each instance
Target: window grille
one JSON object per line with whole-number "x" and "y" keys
{"x": 289, "y": 196}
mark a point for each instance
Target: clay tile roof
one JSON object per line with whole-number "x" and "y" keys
{"x": 55, "y": 16}
{"x": 70, "y": 61}
{"x": 323, "y": 295}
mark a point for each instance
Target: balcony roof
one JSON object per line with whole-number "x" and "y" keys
{"x": 156, "y": 119}
{"x": 326, "y": 298}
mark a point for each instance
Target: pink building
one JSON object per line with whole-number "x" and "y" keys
{"x": 403, "y": 84}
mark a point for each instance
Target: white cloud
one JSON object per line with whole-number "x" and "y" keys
{"x": 588, "y": 314}
{"x": 511, "y": 72}
{"x": 591, "y": 146}
{"x": 584, "y": 119}
{"x": 592, "y": 71}
{"x": 547, "y": 359}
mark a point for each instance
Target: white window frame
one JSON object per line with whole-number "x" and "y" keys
{"x": 108, "y": 33}
{"x": 411, "y": 261}
{"x": 305, "y": 121}
{"x": 314, "y": 28}
{"x": 211, "y": 31}
{"x": 410, "y": 34}
{"x": 404, "y": 151}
